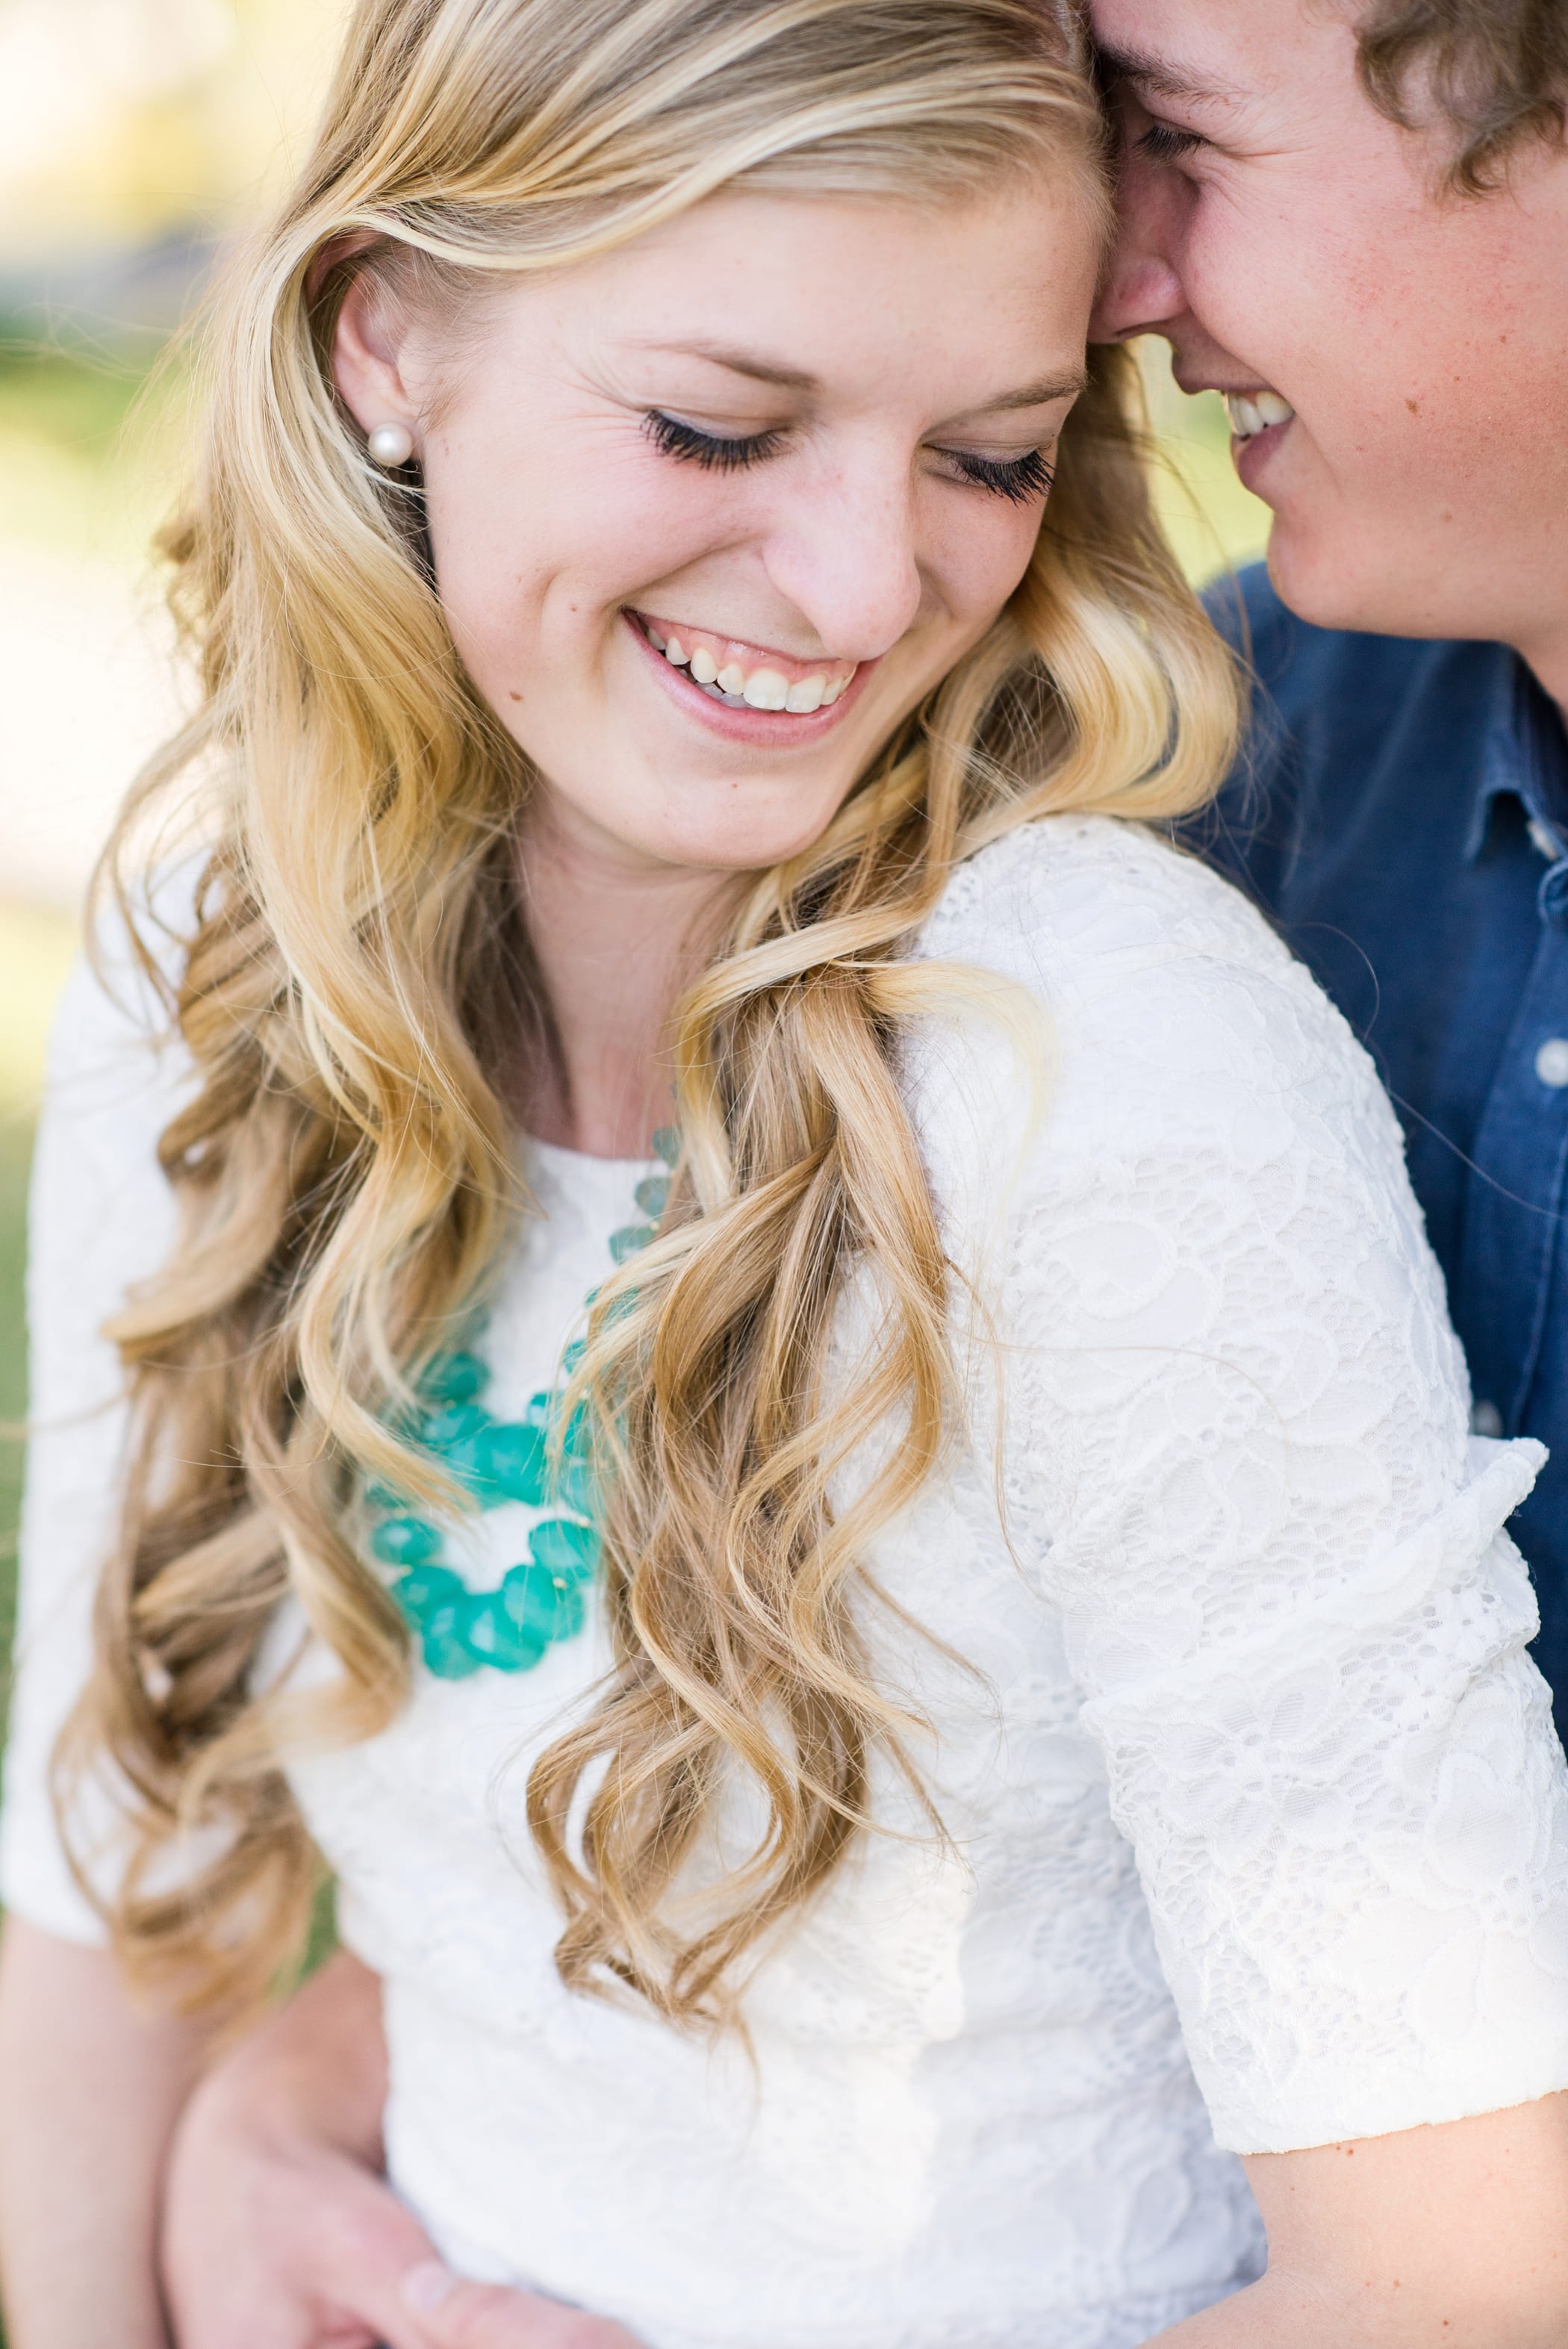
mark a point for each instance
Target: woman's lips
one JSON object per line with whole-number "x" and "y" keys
{"x": 754, "y": 694}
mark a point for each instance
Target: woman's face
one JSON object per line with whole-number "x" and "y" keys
{"x": 712, "y": 514}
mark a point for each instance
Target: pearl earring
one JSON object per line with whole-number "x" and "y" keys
{"x": 391, "y": 445}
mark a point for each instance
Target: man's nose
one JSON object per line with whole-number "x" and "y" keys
{"x": 1138, "y": 294}
{"x": 1140, "y": 289}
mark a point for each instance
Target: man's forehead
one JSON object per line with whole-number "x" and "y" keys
{"x": 1213, "y": 51}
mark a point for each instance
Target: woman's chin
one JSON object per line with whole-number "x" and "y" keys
{"x": 733, "y": 838}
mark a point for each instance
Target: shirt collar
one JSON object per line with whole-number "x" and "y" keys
{"x": 1524, "y": 754}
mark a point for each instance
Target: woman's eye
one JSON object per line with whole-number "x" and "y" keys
{"x": 1167, "y": 142}
{"x": 720, "y": 453}
{"x": 1018, "y": 479}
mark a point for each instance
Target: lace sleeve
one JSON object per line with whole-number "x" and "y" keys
{"x": 100, "y": 1219}
{"x": 1238, "y": 1461}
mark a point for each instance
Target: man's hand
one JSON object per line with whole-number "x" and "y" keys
{"x": 462, "y": 2315}
{"x": 280, "y": 2232}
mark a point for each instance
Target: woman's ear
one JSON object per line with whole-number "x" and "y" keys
{"x": 367, "y": 346}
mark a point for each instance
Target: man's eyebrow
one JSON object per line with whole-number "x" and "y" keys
{"x": 1164, "y": 76}
{"x": 761, "y": 370}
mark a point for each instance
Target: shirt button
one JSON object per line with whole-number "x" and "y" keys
{"x": 1551, "y": 1062}
{"x": 1486, "y": 1419}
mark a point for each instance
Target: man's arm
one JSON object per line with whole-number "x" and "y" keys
{"x": 280, "y": 2232}
{"x": 92, "y": 2089}
{"x": 1456, "y": 2233}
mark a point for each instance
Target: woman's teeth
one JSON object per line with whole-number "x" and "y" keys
{"x": 1249, "y": 417}
{"x": 758, "y": 689}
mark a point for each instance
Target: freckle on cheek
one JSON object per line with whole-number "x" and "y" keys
{"x": 1414, "y": 405}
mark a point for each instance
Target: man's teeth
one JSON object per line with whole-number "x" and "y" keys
{"x": 1250, "y": 417}
{"x": 760, "y": 689}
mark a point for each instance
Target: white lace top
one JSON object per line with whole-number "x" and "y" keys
{"x": 1257, "y": 1828}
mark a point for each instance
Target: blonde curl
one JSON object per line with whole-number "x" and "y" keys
{"x": 359, "y": 973}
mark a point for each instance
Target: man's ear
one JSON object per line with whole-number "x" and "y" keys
{"x": 367, "y": 344}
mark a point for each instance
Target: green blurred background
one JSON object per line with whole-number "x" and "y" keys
{"x": 135, "y": 137}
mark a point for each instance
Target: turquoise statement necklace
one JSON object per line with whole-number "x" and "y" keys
{"x": 542, "y": 1460}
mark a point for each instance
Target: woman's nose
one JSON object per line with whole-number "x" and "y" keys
{"x": 846, "y": 556}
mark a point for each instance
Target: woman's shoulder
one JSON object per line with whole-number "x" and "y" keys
{"x": 1172, "y": 1019}
{"x": 1141, "y": 957}
{"x": 1064, "y": 895}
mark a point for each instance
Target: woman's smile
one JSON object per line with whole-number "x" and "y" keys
{"x": 747, "y": 692}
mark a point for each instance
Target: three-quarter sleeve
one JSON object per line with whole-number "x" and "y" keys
{"x": 1237, "y": 1459}
{"x": 101, "y": 1219}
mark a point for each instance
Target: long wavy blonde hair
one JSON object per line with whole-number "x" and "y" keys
{"x": 359, "y": 975}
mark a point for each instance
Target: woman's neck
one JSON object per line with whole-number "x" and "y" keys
{"x": 616, "y": 938}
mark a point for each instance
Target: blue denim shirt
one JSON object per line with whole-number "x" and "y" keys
{"x": 1402, "y": 813}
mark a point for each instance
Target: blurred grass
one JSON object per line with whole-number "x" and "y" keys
{"x": 91, "y": 444}
{"x": 1212, "y": 522}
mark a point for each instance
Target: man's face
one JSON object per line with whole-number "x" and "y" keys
{"x": 1300, "y": 254}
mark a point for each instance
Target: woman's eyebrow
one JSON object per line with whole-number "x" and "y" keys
{"x": 764, "y": 370}
{"x": 740, "y": 362}
{"x": 1035, "y": 394}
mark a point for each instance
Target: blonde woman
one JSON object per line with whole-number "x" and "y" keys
{"x": 781, "y": 1387}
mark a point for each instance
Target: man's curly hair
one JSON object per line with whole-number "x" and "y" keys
{"x": 1497, "y": 70}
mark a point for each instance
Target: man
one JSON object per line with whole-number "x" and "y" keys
{"x": 1358, "y": 231}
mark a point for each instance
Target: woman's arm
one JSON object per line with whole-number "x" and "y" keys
{"x": 92, "y": 2089}
{"x": 1457, "y": 2233}
{"x": 1240, "y": 1468}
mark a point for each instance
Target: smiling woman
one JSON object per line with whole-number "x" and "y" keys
{"x": 892, "y": 1658}
{"x": 763, "y": 499}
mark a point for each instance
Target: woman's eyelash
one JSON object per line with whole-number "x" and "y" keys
{"x": 1167, "y": 142}
{"x": 1017, "y": 477}
{"x": 718, "y": 454}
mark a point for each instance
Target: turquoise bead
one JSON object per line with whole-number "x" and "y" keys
{"x": 652, "y": 1195}
{"x": 667, "y": 1144}
{"x": 455, "y": 1425}
{"x": 510, "y": 1461}
{"x": 571, "y": 1482}
{"x": 378, "y": 1495}
{"x": 453, "y": 1378}
{"x": 498, "y": 1640}
{"x": 406, "y": 1541}
{"x": 442, "y": 1608}
{"x": 445, "y": 1650}
{"x": 576, "y": 1437}
{"x": 572, "y": 1357}
{"x": 542, "y": 1606}
{"x": 563, "y": 1546}
{"x": 465, "y": 1461}
{"x": 425, "y": 1590}
{"x": 631, "y": 1239}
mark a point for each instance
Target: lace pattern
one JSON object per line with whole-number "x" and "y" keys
{"x": 1257, "y": 1831}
